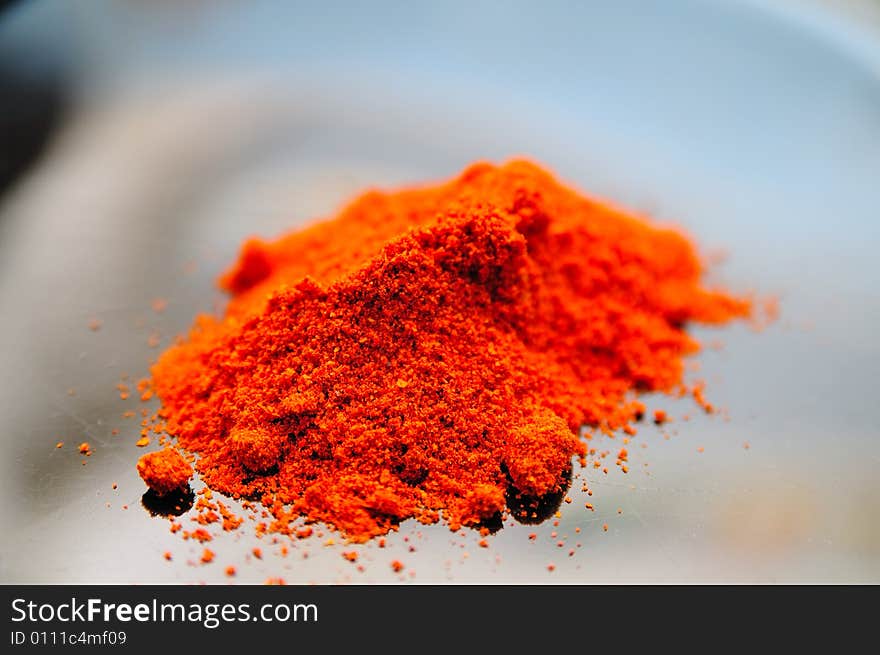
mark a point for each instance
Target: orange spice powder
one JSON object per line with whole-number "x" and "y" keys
{"x": 431, "y": 353}
{"x": 164, "y": 471}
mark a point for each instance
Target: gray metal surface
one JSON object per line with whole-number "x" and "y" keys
{"x": 757, "y": 131}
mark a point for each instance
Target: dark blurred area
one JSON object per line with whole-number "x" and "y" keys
{"x": 28, "y": 122}
{"x": 34, "y": 103}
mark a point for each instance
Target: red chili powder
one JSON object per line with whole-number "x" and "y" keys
{"x": 428, "y": 352}
{"x": 164, "y": 471}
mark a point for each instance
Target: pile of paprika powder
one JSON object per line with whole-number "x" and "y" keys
{"x": 428, "y": 352}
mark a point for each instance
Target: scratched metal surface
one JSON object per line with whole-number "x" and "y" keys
{"x": 756, "y": 129}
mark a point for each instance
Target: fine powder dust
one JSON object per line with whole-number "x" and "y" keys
{"x": 432, "y": 353}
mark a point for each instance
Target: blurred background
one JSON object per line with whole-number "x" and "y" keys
{"x": 140, "y": 142}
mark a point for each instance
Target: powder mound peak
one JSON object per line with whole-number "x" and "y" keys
{"x": 428, "y": 352}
